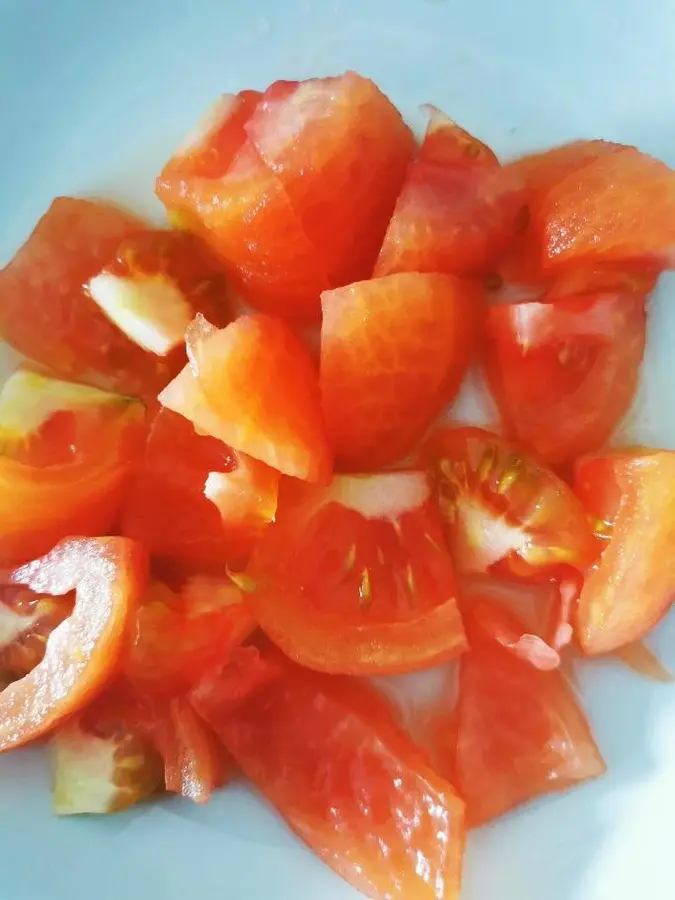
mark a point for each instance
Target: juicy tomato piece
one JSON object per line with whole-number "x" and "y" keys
{"x": 66, "y": 455}
{"x": 254, "y": 386}
{"x": 333, "y": 759}
{"x": 452, "y": 219}
{"x": 617, "y": 209}
{"x": 103, "y": 760}
{"x": 631, "y": 496}
{"x": 155, "y": 285}
{"x": 564, "y": 373}
{"x": 218, "y": 501}
{"x": 108, "y": 577}
{"x": 447, "y": 143}
{"x": 340, "y": 149}
{"x": 355, "y": 577}
{"x": 195, "y": 763}
{"x": 179, "y": 635}
{"x": 503, "y": 510}
{"x": 394, "y": 351}
{"x": 517, "y": 733}
{"x": 26, "y": 621}
{"x": 245, "y": 671}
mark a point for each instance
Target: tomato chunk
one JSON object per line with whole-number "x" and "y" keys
{"x": 329, "y": 754}
{"x": 254, "y": 385}
{"x": 518, "y": 732}
{"x": 108, "y": 576}
{"x": 448, "y": 143}
{"x": 26, "y": 621}
{"x": 564, "y": 373}
{"x": 394, "y": 351}
{"x": 354, "y": 577}
{"x": 340, "y": 150}
{"x": 218, "y": 501}
{"x": 631, "y": 495}
{"x": 67, "y": 453}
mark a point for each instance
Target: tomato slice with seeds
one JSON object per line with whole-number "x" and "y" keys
{"x": 355, "y": 578}
{"x": 218, "y": 501}
{"x": 631, "y": 496}
{"x": 564, "y": 373}
{"x": 180, "y": 635}
{"x": 26, "y": 621}
{"x": 518, "y": 732}
{"x": 333, "y": 759}
{"x": 108, "y": 577}
{"x": 398, "y": 347}
{"x": 67, "y": 453}
{"x": 447, "y": 143}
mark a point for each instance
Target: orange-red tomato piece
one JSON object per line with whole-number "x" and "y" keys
{"x": 254, "y": 385}
{"x": 447, "y": 143}
{"x": 564, "y": 373}
{"x": 108, "y": 577}
{"x": 394, "y": 351}
{"x": 631, "y": 496}
{"x": 332, "y": 758}
{"x": 26, "y": 621}
{"x": 172, "y": 487}
{"x": 517, "y": 733}
{"x": 340, "y": 149}
{"x": 355, "y": 577}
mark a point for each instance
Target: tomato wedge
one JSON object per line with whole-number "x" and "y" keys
{"x": 447, "y": 143}
{"x": 108, "y": 576}
{"x": 564, "y": 373}
{"x": 332, "y": 758}
{"x": 179, "y": 635}
{"x": 67, "y": 453}
{"x": 26, "y": 621}
{"x": 394, "y": 351}
{"x": 518, "y": 732}
{"x": 354, "y": 577}
{"x": 631, "y": 495}
{"x": 254, "y": 386}
{"x": 218, "y": 501}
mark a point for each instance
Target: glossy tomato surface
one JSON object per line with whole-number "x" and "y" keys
{"x": 331, "y": 757}
{"x": 355, "y": 578}
{"x": 448, "y": 143}
{"x": 394, "y": 351}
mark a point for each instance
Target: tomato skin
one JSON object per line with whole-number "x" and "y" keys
{"x": 354, "y": 578}
{"x": 170, "y": 485}
{"x": 330, "y": 755}
{"x": 451, "y": 219}
{"x": 108, "y": 576}
{"x": 447, "y": 143}
{"x": 254, "y": 385}
{"x": 394, "y": 351}
{"x": 564, "y": 373}
{"x": 630, "y": 587}
{"x": 340, "y": 149}
{"x": 518, "y": 732}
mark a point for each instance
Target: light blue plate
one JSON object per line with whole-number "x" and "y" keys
{"x": 93, "y": 97}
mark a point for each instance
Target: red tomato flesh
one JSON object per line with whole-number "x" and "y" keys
{"x": 26, "y": 621}
{"x": 329, "y": 754}
{"x": 394, "y": 351}
{"x": 354, "y": 578}
{"x": 447, "y": 143}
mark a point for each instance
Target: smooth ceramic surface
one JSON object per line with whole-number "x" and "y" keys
{"x": 93, "y": 97}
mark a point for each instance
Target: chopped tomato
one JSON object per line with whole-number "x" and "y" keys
{"x": 618, "y": 209}
{"x": 452, "y": 219}
{"x": 195, "y": 763}
{"x": 26, "y": 621}
{"x": 66, "y": 455}
{"x": 517, "y": 733}
{"x": 332, "y": 758}
{"x": 394, "y": 351}
{"x": 179, "y": 635}
{"x": 254, "y": 386}
{"x": 108, "y": 576}
{"x": 447, "y": 143}
{"x": 631, "y": 496}
{"x": 340, "y": 150}
{"x": 218, "y": 501}
{"x": 503, "y": 510}
{"x": 229, "y": 684}
{"x": 103, "y": 759}
{"x": 355, "y": 577}
{"x": 564, "y": 373}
